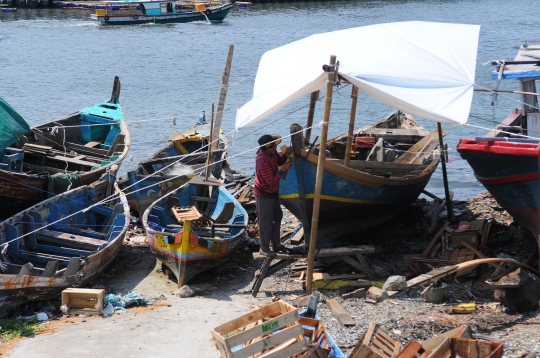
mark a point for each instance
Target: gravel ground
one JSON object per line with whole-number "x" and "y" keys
{"x": 407, "y": 316}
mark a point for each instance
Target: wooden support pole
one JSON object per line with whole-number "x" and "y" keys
{"x": 212, "y": 112}
{"x": 449, "y": 206}
{"x": 332, "y": 72}
{"x": 209, "y": 160}
{"x": 354, "y": 96}
{"x": 221, "y": 103}
{"x": 311, "y": 114}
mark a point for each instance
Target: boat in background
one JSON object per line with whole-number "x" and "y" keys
{"x": 173, "y": 165}
{"x": 158, "y": 12}
{"x": 61, "y": 242}
{"x": 64, "y": 153}
{"x": 506, "y": 160}
{"x": 194, "y": 228}
{"x": 380, "y": 181}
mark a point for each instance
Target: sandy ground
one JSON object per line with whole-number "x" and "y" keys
{"x": 173, "y": 327}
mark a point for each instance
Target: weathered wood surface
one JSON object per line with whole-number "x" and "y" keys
{"x": 338, "y": 251}
{"x": 339, "y": 312}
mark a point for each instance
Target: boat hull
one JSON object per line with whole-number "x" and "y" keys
{"x": 95, "y": 141}
{"x": 17, "y": 289}
{"x": 143, "y": 188}
{"x": 214, "y": 15}
{"x": 509, "y": 170}
{"x": 189, "y": 247}
{"x": 346, "y": 206}
{"x": 196, "y": 260}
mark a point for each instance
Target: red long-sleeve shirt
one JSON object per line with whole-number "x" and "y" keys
{"x": 266, "y": 173}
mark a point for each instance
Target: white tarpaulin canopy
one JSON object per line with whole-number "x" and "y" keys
{"x": 425, "y": 69}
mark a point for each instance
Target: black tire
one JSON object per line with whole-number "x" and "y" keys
{"x": 106, "y": 18}
{"x": 208, "y": 12}
{"x": 135, "y": 17}
{"x": 219, "y": 10}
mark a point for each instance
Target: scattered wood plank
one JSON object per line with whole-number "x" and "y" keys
{"x": 339, "y": 312}
{"x": 298, "y": 237}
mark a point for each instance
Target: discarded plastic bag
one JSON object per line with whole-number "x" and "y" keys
{"x": 108, "y": 310}
{"x": 42, "y": 316}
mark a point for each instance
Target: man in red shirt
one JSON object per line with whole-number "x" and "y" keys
{"x": 267, "y": 177}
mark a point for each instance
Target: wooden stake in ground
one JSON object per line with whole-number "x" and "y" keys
{"x": 332, "y": 74}
{"x": 449, "y": 206}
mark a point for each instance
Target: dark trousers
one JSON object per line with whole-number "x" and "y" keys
{"x": 269, "y": 215}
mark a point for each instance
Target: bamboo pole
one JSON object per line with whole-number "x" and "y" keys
{"x": 354, "y": 96}
{"x": 331, "y": 70}
{"x": 449, "y": 206}
{"x": 209, "y": 160}
{"x": 311, "y": 114}
{"x": 212, "y": 111}
{"x": 221, "y": 102}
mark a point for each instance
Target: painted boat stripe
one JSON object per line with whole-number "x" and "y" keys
{"x": 340, "y": 199}
{"x": 508, "y": 179}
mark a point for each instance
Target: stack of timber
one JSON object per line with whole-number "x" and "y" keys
{"x": 352, "y": 256}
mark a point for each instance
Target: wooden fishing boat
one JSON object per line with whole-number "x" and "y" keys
{"x": 507, "y": 160}
{"x": 159, "y": 12}
{"x": 339, "y": 194}
{"x": 67, "y": 152}
{"x": 173, "y": 165}
{"x": 372, "y": 186}
{"x": 194, "y": 228}
{"x": 61, "y": 242}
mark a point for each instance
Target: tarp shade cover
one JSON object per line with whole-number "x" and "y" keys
{"x": 425, "y": 69}
{"x": 12, "y": 125}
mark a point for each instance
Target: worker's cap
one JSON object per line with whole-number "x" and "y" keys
{"x": 267, "y": 140}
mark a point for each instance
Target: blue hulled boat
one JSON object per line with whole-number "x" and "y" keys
{"x": 194, "y": 228}
{"x": 61, "y": 242}
{"x": 71, "y": 151}
{"x": 505, "y": 161}
{"x": 173, "y": 165}
{"x": 159, "y": 12}
{"x": 368, "y": 190}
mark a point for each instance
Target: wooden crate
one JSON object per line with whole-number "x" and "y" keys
{"x": 376, "y": 343}
{"x": 317, "y": 338}
{"x": 270, "y": 331}
{"x": 83, "y": 300}
{"x": 473, "y": 348}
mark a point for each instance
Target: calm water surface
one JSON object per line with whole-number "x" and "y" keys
{"x": 57, "y": 61}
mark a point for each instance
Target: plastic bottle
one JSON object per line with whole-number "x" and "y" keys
{"x": 312, "y": 304}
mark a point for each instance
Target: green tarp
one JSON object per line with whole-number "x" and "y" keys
{"x": 12, "y": 125}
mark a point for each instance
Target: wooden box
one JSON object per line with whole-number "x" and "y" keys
{"x": 316, "y": 337}
{"x": 83, "y": 300}
{"x": 376, "y": 343}
{"x": 472, "y": 348}
{"x": 270, "y": 331}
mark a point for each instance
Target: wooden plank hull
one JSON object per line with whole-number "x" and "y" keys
{"x": 346, "y": 206}
{"x": 18, "y": 288}
{"x": 189, "y": 253}
{"x": 510, "y": 171}
{"x": 88, "y": 145}
{"x": 197, "y": 259}
{"x": 145, "y": 185}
